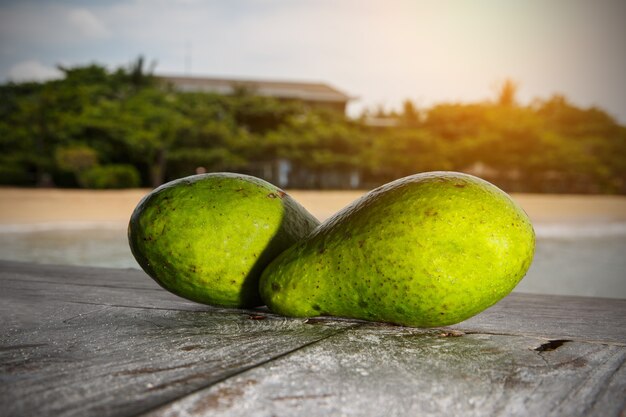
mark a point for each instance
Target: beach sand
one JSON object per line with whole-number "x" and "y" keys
{"x": 33, "y": 206}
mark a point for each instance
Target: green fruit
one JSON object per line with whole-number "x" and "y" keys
{"x": 427, "y": 250}
{"x": 208, "y": 237}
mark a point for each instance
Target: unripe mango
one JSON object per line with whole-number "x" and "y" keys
{"x": 208, "y": 237}
{"x": 427, "y": 250}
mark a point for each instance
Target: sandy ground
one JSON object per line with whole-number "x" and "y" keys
{"x": 31, "y": 206}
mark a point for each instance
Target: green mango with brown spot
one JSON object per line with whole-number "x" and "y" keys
{"x": 208, "y": 237}
{"x": 427, "y": 250}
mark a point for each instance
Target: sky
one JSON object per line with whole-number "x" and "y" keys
{"x": 381, "y": 52}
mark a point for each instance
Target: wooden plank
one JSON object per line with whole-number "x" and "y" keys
{"x": 374, "y": 371}
{"x": 84, "y": 275}
{"x": 96, "y": 341}
{"x": 35, "y": 294}
{"x": 559, "y": 317}
{"x": 74, "y": 349}
{"x": 116, "y": 361}
{"x": 556, "y": 317}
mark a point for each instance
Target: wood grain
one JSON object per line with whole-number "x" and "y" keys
{"x": 74, "y": 348}
{"x": 77, "y": 341}
{"x": 555, "y": 317}
{"x": 375, "y": 371}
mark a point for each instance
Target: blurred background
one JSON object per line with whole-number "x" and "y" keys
{"x": 102, "y": 101}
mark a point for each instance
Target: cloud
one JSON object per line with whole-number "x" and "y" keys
{"x": 87, "y": 24}
{"x": 28, "y": 26}
{"x": 32, "y": 70}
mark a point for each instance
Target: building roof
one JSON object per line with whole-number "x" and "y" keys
{"x": 306, "y": 91}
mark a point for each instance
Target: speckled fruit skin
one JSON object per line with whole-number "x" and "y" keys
{"x": 208, "y": 237}
{"x": 427, "y": 250}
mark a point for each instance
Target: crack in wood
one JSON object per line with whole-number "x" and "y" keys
{"x": 535, "y": 336}
{"x": 551, "y": 345}
{"x": 246, "y": 369}
{"x": 189, "y": 348}
{"x": 141, "y": 371}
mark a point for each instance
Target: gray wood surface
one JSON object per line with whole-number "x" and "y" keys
{"x": 79, "y": 341}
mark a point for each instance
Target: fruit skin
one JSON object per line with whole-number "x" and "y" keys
{"x": 426, "y": 250}
{"x": 208, "y": 237}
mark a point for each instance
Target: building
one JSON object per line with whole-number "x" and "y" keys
{"x": 314, "y": 94}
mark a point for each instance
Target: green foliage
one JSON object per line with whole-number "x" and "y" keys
{"x": 317, "y": 140}
{"x": 100, "y": 128}
{"x": 404, "y": 152}
{"x": 410, "y": 114}
{"x": 111, "y": 176}
{"x": 13, "y": 174}
{"x": 76, "y": 158}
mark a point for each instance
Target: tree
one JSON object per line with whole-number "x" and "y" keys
{"x": 123, "y": 125}
{"x": 410, "y": 115}
{"x": 507, "y": 91}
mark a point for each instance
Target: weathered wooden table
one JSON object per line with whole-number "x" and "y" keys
{"x": 102, "y": 342}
